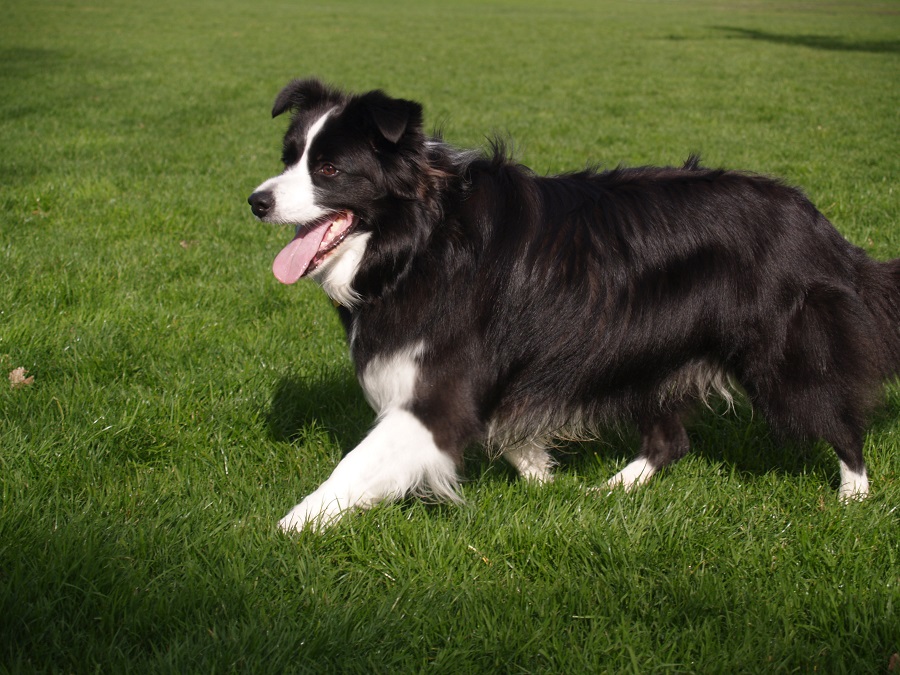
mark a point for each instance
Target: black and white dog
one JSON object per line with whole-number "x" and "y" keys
{"x": 486, "y": 304}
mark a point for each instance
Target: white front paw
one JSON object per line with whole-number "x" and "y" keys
{"x": 312, "y": 513}
{"x": 635, "y": 473}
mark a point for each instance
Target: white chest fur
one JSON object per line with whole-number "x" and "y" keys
{"x": 336, "y": 274}
{"x": 389, "y": 382}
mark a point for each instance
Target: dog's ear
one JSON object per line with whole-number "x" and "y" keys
{"x": 300, "y": 94}
{"x": 393, "y": 117}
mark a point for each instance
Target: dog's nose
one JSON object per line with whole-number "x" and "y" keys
{"x": 261, "y": 203}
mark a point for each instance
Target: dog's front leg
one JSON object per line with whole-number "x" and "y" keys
{"x": 399, "y": 456}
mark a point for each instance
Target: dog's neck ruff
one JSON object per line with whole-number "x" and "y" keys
{"x": 336, "y": 274}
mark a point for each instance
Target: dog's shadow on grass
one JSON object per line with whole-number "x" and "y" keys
{"x": 332, "y": 401}
{"x": 738, "y": 438}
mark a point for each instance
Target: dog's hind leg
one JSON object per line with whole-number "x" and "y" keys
{"x": 531, "y": 460}
{"x": 824, "y": 382}
{"x": 816, "y": 413}
{"x": 854, "y": 480}
{"x": 398, "y": 457}
{"x": 663, "y": 441}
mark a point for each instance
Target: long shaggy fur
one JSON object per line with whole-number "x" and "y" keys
{"x": 546, "y": 304}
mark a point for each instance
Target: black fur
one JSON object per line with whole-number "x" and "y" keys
{"x": 548, "y": 303}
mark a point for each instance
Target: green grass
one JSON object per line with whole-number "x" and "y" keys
{"x": 183, "y": 400}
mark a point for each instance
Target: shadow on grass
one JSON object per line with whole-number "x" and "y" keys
{"x": 24, "y": 63}
{"x": 825, "y": 42}
{"x": 887, "y": 414}
{"x": 333, "y": 402}
{"x": 740, "y": 439}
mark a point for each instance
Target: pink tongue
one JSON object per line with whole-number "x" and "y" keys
{"x": 295, "y": 258}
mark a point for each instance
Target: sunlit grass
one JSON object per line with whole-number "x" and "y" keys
{"x": 183, "y": 400}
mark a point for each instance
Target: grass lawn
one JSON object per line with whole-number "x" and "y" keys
{"x": 183, "y": 400}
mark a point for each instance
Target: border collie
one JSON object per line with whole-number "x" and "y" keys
{"x": 484, "y": 303}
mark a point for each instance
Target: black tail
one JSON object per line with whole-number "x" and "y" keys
{"x": 881, "y": 293}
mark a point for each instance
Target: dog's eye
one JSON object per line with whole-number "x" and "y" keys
{"x": 328, "y": 170}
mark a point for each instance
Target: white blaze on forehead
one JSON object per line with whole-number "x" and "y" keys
{"x": 293, "y": 190}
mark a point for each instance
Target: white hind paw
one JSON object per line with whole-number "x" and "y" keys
{"x": 854, "y": 486}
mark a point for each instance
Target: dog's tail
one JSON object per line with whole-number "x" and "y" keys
{"x": 881, "y": 292}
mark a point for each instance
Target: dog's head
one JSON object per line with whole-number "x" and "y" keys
{"x": 349, "y": 160}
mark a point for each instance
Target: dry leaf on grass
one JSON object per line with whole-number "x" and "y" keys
{"x": 17, "y": 378}
{"x": 894, "y": 663}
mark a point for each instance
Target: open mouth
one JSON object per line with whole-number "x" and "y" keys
{"x": 312, "y": 245}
